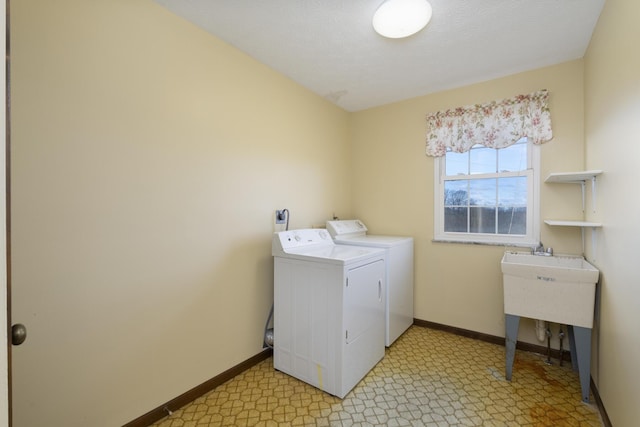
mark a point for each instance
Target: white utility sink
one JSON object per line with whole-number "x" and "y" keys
{"x": 558, "y": 289}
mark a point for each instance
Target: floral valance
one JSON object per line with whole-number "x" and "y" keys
{"x": 497, "y": 124}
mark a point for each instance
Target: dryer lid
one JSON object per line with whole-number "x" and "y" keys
{"x": 346, "y": 228}
{"x": 373, "y": 240}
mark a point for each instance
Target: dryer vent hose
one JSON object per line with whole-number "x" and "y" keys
{"x": 268, "y": 332}
{"x": 268, "y": 337}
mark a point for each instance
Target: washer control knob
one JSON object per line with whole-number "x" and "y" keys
{"x": 297, "y": 237}
{"x": 323, "y": 234}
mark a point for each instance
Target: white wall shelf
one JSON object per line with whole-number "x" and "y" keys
{"x": 572, "y": 177}
{"x": 568, "y": 223}
{"x": 577, "y": 178}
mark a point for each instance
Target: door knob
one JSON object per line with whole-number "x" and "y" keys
{"x": 18, "y": 334}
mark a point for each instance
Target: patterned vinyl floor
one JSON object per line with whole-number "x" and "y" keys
{"x": 427, "y": 378}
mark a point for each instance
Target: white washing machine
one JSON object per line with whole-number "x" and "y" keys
{"x": 328, "y": 313}
{"x": 399, "y": 275}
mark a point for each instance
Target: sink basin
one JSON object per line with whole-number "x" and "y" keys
{"x": 553, "y": 268}
{"x": 558, "y": 289}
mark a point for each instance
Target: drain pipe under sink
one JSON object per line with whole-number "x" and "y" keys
{"x": 541, "y": 330}
{"x": 548, "y": 362}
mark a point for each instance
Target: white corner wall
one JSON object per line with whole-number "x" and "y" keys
{"x": 612, "y": 126}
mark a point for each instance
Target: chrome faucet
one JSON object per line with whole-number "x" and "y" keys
{"x": 540, "y": 250}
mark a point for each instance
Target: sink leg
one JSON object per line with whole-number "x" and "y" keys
{"x": 572, "y": 348}
{"x": 583, "y": 349}
{"x": 512, "y": 322}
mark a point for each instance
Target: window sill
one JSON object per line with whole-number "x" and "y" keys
{"x": 468, "y": 242}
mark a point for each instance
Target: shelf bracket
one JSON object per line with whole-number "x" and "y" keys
{"x": 593, "y": 194}
{"x": 594, "y": 241}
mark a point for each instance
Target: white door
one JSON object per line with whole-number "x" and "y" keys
{"x": 363, "y": 321}
{"x": 363, "y": 302}
{"x": 4, "y": 362}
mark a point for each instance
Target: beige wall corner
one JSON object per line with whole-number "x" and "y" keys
{"x": 393, "y": 193}
{"x": 612, "y": 126}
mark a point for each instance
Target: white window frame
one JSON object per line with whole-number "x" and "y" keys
{"x": 531, "y": 238}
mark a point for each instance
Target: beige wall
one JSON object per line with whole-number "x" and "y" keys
{"x": 148, "y": 160}
{"x": 612, "y": 107}
{"x": 393, "y": 193}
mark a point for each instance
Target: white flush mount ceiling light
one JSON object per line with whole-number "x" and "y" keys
{"x": 401, "y": 18}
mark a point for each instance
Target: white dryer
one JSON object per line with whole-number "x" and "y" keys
{"x": 328, "y": 309}
{"x": 399, "y": 275}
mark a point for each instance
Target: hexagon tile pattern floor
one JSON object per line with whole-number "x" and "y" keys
{"x": 427, "y": 378}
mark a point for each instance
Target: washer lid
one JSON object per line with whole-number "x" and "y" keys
{"x": 316, "y": 245}
{"x": 337, "y": 254}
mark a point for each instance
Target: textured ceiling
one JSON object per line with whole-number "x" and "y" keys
{"x": 329, "y": 46}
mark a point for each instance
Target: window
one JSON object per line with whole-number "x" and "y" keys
{"x": 488, "y": 195}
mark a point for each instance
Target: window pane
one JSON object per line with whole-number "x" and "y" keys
{"x": 456, "y": 193}
{"x": 513, "y": 158}
{"x": 483, "y": 160}
{"x": 457, "y": 163}
{"x": 482, "y": 192}
{"x": 512, "y": 220}
{"x": 482, "y": 220}
{"x": 512, "y": 199}
{"x": 455, "y": 220}
{"x": 512, "y": 191}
